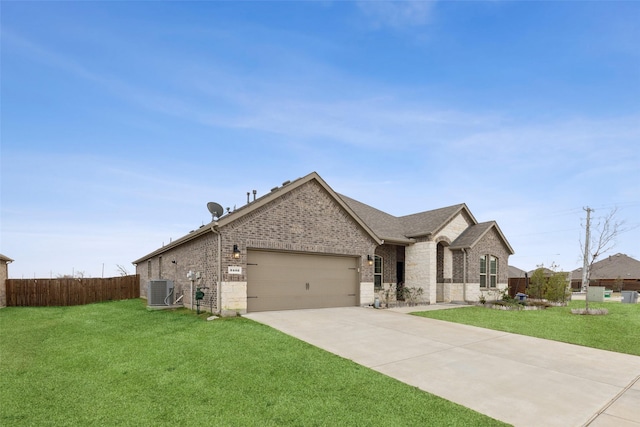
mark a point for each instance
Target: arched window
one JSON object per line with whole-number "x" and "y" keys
{"x": 377, "y": 272}
{"x": 488, "y": 271}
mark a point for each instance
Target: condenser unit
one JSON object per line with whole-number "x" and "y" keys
{"x": 160, "y": 292}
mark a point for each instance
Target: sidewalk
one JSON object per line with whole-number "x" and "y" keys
{"x": 520, "y": 380}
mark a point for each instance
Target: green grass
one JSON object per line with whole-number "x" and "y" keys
{"x": 119, "y": 364}
{"x": 617, "y": 331}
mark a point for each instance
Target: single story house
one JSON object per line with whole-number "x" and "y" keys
{"x": 617, "y": 272}
{"x": 303, "y": 245}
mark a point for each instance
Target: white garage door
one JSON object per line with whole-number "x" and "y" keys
{"x": 285, "y": 281}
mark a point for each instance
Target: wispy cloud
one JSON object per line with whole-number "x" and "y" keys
{"x": 397, "y": 14}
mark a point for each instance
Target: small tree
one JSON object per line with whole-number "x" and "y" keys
{"x": 618, "y": 284}
{"x": 600, "y": 239}
{"x": 537, "y": 283}
{"x": 548, "y": 283}
{"x": 557, "y": 285}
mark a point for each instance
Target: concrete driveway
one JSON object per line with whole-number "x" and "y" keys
{"x": 520, "y": 380}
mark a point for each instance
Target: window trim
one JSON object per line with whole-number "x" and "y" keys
{"x": 493, "y": 271}
{"x": 489, "y": 266}
{"x": 378, "y": 263}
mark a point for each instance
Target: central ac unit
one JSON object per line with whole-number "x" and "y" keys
{"x": 160, "y": 292}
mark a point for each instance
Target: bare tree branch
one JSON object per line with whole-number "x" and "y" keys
{"x": 122, "y": 270}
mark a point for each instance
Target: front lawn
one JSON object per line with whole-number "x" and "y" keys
{"x": 617, "y": 331}
{"x": 118, "y": 364}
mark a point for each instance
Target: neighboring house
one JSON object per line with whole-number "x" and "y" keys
{"x": 617, "y": 272}
{"x": 4, "y": 275}
{"x": 516, "y": 273}
{"x": 304, "y": 246}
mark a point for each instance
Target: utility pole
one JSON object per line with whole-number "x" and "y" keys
{"x": 585, "y": 262}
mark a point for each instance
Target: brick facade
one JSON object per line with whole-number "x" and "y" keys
{"x": 490, "y": 244}
{"x": 308, "y": 217}
{"x": 4, "y": 275}
{"x": 390, "y": 257}
{"x": 305, "y": 219}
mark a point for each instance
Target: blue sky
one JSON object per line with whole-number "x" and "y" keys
{"x": 121, "y": 120}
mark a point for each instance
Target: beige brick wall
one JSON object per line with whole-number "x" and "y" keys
{"x": 199, "y": 256}
{"x": 420, "y": 268}
{"x": 306, "y": 219}
{"x": 367, "y": 294}
{"x": 4, "y": 275}
{"x": 454, "y": 228}
{"x": 491, "y": 244}
{"x": 234, "y": 298}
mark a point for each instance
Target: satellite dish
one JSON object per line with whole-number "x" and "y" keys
{"x": 215, "y": 209}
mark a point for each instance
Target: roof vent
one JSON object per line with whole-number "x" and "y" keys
{"x": 285, "y": 183}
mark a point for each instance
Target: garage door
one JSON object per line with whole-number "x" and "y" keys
{"x": 285, "y": 281}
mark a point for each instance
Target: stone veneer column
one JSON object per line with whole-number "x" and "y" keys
{"x": 421, "y": 269}
{"x": 233, "y": 298}
{"x": 367, "y": 294}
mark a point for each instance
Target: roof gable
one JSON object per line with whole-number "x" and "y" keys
{"x": 430, "y": 222}
{"x": 380, "y": 225}
{"x": 473, "y": 234}
{"x": 406, "y": 228}
{"x": 258, "y": 203}
{"x": 386, "y": 226}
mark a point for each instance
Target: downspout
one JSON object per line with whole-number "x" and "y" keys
{"x": 214, "y": 229}
{"x": 464, "y": 274}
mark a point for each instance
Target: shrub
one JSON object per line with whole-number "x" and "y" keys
{"x": 413, "y": 294}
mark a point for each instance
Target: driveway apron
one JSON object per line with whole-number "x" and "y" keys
{"x": 520, "y": 380}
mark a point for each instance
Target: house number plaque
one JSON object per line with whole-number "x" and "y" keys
{"x": 234, "y": 269}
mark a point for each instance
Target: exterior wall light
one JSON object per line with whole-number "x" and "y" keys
{"x": 369, "y": 259}
{"x": 236, "y": 252}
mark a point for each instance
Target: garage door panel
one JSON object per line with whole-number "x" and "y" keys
{"x": 282, "y": 281}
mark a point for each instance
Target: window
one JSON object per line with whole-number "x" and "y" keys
{"x": 377, "y": 272}
{"x": 488, "y": 267}
{"x": 159, "y": 267}
{"x": 493, "y": 272}
{"x": 149, "y": 269}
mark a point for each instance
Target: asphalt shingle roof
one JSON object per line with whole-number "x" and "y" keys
{"x": 471, "y": 235}
{"x": 386, "y": 226}
{"x": 402, "y": 229}
{"x": 516, "y": 272}
{"x": 612, "y": 267}
{"x": 428, "y": 222}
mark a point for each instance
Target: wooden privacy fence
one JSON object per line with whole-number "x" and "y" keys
{"x": 517, "y": 285}
{"x": 69, "y": 291}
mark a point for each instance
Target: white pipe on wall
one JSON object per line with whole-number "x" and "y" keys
{"x": 214, "y": 229}
{"x": 464, "y": 274}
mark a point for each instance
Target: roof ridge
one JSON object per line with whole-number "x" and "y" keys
{"x": 457, "y": 206}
